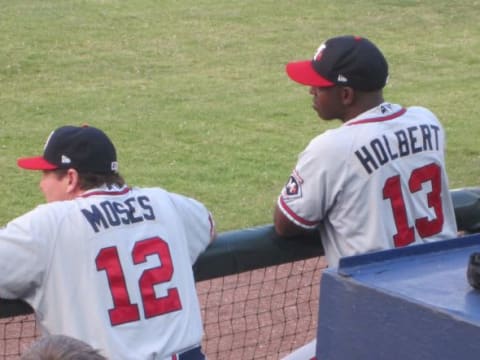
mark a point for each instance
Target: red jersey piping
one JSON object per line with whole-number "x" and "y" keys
{"x": 380, "y": 118}
{"x": 295, "y": 216}
{"x": 106, "y": 192}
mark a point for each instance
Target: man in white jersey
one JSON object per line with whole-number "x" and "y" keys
{"x": 376, "y": 182}
{"x": 102, "y": 262}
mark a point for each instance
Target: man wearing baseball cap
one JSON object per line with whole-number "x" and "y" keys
{"x": 102, "y": 262}
{"x": 378, "y": 181}
{"x": 72, "y": 151}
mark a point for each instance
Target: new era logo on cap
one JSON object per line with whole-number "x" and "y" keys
{"x": 66, "y": 160}
{"x": 345, "y": 60}
{"x": 84, "y": 148}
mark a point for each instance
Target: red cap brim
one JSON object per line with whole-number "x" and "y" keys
{"x": 35, "y": 163}
{"x": 303, "y": 73}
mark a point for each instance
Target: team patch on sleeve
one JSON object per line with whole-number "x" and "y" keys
{"x": 293, "y": 187}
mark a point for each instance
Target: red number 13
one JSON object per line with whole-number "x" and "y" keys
{"x": 123, "y": 310}
{"x": 392, "y": 190}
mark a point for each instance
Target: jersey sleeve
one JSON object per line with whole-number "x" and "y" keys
{"x": 22, "y": 255}
{"x": 314, "y": 183}
{"x": 198, "y": 223}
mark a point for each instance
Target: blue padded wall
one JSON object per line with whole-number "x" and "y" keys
{"x": 410, "y": 303}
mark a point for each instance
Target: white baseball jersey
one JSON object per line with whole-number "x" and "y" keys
{"x": 376, "y": 182}
{"x": 112, "y": 268}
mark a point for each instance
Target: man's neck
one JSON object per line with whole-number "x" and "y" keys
{"x": 364, "y": 101}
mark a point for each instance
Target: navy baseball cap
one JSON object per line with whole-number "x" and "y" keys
{"x": 345, "y": 60}
{"x": 83, "y": 148}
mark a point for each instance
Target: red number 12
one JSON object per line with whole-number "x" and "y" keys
{"x": 123, "y": 310}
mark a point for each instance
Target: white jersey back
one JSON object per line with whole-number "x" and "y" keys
{"x": 376, "y": 182}
{"x": 112, "y": 268}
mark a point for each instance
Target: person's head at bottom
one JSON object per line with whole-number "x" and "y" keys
{"x": 61, "y": 347}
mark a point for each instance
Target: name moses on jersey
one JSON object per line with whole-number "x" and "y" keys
{"x": 401, "y": 143}
{"x": 113, "y": 213}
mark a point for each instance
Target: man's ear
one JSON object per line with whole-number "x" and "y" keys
{"x": 347, "y": 95}
{"x": 72, "y": 181}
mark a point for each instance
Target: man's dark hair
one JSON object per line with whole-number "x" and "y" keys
{"x": 89, "y": 181}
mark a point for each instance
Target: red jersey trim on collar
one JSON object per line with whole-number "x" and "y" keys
{"x": 106, "y": 192}
{"x": 379, "y": 119}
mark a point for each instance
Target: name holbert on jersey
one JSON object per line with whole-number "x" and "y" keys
{"x": 113, "y": 213}
{"x": 401, "y": 143}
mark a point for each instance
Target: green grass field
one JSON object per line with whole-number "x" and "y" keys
{"x": 194, "y": 92}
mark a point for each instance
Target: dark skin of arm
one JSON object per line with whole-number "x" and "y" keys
{"x": 284, "y": 227}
